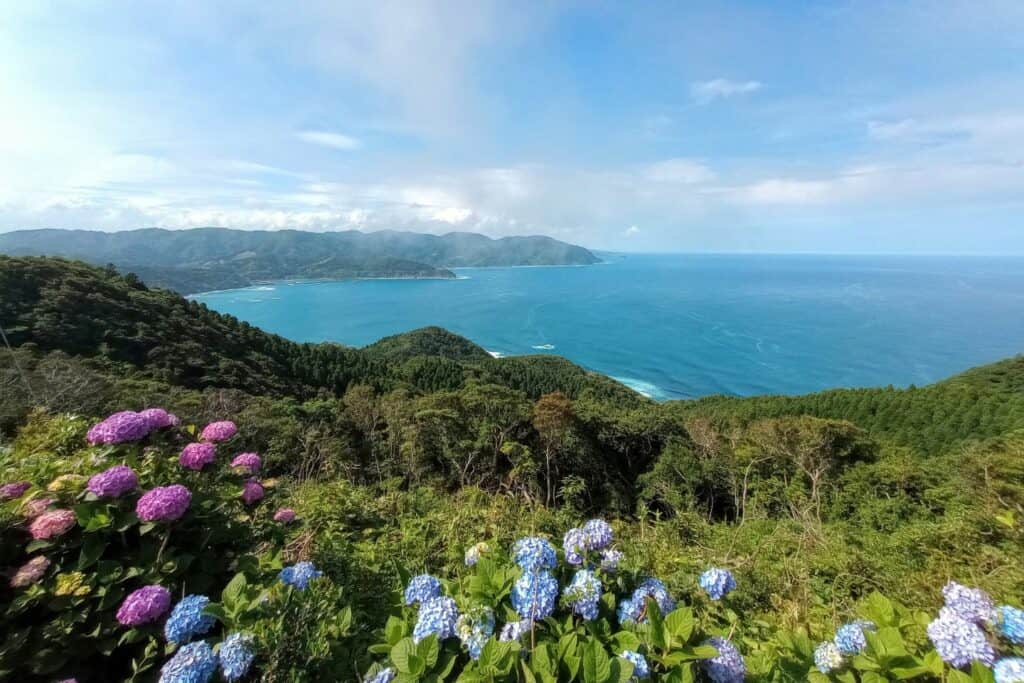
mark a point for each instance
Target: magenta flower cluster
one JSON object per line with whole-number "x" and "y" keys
{"x": 144, "y": 606}
{"x": 51, "y": 524}
{"x": 113, "y": 482}
{"x": 252, "y": 492}
{"x": 164, "y": 503}
{"x": 196, "y": 456}
{"x": 158, "y": 418}
{"x": 128, "y": 425}
{"x": 285, "y": 516}
{"x": 249, "y": 462}
{"x": 219, "y": 431}
{"x": 14, "y": 490}
{"x": 30, "y": 572}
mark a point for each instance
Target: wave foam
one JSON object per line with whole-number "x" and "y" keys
{"x": 544, "y": 347}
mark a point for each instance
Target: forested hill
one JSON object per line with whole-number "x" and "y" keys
{"x": 204, "y": 259}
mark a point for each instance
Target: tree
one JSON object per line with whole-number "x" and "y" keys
{"x": 552, "y": 418}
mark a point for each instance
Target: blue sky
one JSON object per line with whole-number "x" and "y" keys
{"x": 846, "y": 126}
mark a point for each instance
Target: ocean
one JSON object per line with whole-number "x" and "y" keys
{"x": 685, "y": 326}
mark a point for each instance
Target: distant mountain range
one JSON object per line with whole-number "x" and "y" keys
{"x": 205, "y": 259}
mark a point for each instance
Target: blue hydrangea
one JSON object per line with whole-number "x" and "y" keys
{"x": 634, "y": 608}
{"x": 236, "y": 656}
{"x": 1011, "y": 624}
{"x": 192, "y": 663}
{"x": 850, "y": 637}
{"x": 959, "y": 642}
{"x": 437, "y": 616}
{"x": 422, "y": 588}
{"x": 598, "y": 533}
{"x": 1009, "y": 670}
{"x": 583, "y": 594}
{"x": 534, "y": 594}
{"x": 574, "y": 543}
{"x": 610, "y": 560}
{"x": 828, "y": 657}
{"x": 514, "y": 630}
{"x": 727, "y": 666}
{"x": 533, "y": 553}
{"x": 383, "y": 676}
{"x": 299, "y": 575}
{"x": 970, "y": 604}
{"x": 187, "y": 620}
{"x": 474, "y": 628}
{"x": 717, "y": 582}
{"x": 640, "y": 668}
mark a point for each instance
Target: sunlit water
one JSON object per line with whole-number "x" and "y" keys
{"x": 680, "y": 326}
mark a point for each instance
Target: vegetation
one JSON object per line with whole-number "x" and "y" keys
{"x": 400, "y": 457}
{"x": 206, "y": 259}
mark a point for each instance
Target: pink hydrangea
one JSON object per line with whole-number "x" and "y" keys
{"x": 13, "y": 490}
{"x": 196, "y": 456}
{"x": 163, "y": 504}
{"x": 30, "y": 572}
{"x": 252, "y": 492}
{"x": 51, "y": 524}
{"x": 285, "y": 516}
{"x": 249, "y": 462}
{"x": 219, "y": 431}
{"x": 36, "y": 507}
{"x": 145, "y": 605}
{"x": 113, "y": 482}
{"x": 158, "y": 418}
{"x": 119, "y": 428}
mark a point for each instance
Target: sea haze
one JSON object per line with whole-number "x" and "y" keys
{"x": 684, "y": 326}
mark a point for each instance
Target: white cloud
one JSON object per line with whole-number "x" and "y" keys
{"x": 328, "y": 139}
{"x": 682, "y": 171}
{"x": 632, "y": 231}
{"x": 707, "y": 91}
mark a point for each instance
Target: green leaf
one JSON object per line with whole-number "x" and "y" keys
{"x": 981, "y": 673}
{"x": 394, "y": 630}
{"x": 233, "y": 591}
{"x": 596, "y": 665}
{"x": 625, "y": 640}
{"x": 216, "y": 610}
{"x": 656, "y": 625}
{"x": 428, "y": 650}
{"x": 880, "y": 610}
{"x": 680, "y": 624}
{"x": 92, "y": 550}
{"x": 401, "y": 653}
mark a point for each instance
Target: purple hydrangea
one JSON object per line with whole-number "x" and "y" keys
{"x": 634, "y": 608}
{"x": 192, "y": 663}
{"x": 164, "y": 503}
{"x": 219, "y": 431}
{"x": 610, "y": 559}
{"x": 144, "y": 606}
{"x": 970, "y": 604}
{"x": 727, "y": 666}
{"x": 717, "y": 582}
{"x": 30, "y": 572}
{"x": 514, "y": 630}
{"x": 113, "y": 482}
{"x": 421, "y": 588}
{"x": 285, "y": 516}
{"x": 236, "y": 656}
{"x": 248, "y": 462}
{"x": 574, "y": 543}
{"x": 158, "y": 418}
{"x": 37, "y": 506}
{"x": 959, "y": 642}
{"x": 252, "y": 492}
{"x": 598, "y": 533}
{"x": 14, "y": 490}
{"x": 196, "y": 456}
{"x": 52, "y": 524}
{"x": 121, "y": 427}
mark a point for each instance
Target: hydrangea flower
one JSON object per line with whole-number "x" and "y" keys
{"x": 970, "y": 604}
{"x": 383, "y": 676}
{"x": 533, "y": 553}
{"x": 533, "y": 595}
{"x": 144, "y": 605}
{"x": 437, "y": 616}
{"x": 422, "y": 588}
{"x": 828, "y": 657}
{"x": 583, "y": 594}
{"x": 610, "y": 559}
{"x": 1009, "y": 670}
{"x": 299, "y": 575}
{"x": 574, "y": 543}
{"x": 249, "y": 463}
{"x": 475, "y": 552}
{"x": 959, "y": 642}
{"x": 252, "y": 492}
{"x": 514, "y": 630}
{"x": 158, "y": 418}
{"x": 284, "y": 515}
{"x": 727, "y": 666}
{"x": 30, "y": 572}
{"x": 640, "y": 668}
{"x": 236, "y": 656}
{"x": 1011, "y": 624}
{"x": 52, "y": 524}
{"x": 36, "y": 507}
{"x": 14, "y": 490}
{"x": 196, "y": 456}
{"x": 717, "y": 583}
{"x": 598, "y": 533}
{"x": 67, "y": 483}
{"x": 474, "y": 627}
{"x": 850, "y": 637}
{"x": 193, "y": 663}
{"x": 219, "y": 431}
{"x": 634, "y": 608}
{"x": 121, "y": 427}
{"x": 113, "y": 482}
{"x": 163, "y": 503}
{"x": 187, "y": 620}
{"x": 72, "y": 583}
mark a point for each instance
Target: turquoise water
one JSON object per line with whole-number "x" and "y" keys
{"x": 681, "y": 326}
